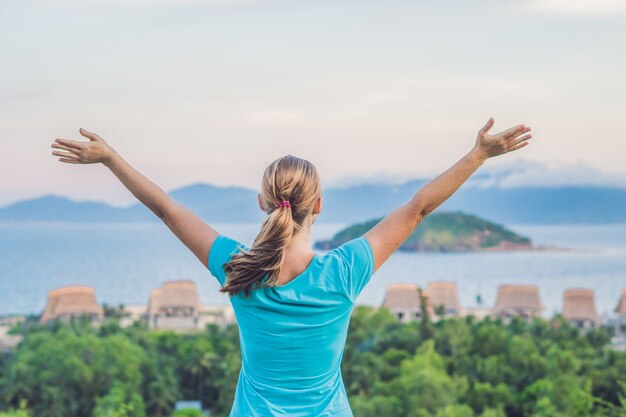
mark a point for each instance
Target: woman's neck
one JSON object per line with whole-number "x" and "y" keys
{"x": 301, "y": 240}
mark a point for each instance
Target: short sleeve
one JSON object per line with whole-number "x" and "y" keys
{"x": 222, "y": 250}
{"x": 358, "y": 259}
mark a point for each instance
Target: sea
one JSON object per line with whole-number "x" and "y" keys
{"x": 124, "y": 261}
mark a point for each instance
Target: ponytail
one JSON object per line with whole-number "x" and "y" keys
{"x": 289, "y": 189}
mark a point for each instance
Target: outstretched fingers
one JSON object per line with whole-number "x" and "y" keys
{"x": 518, "y": 133}
{"x": 513, "y": 131}
{"x": 69, "y": 143}
{"x": 519, "y": 146}
{"x": 64, "y": 147}
{"x": 520, "y": 139}
{"x": 67, "y": 155}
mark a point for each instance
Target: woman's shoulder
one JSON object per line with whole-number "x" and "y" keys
{"x": 356, "y": 261}
{"x": 357, "y": 245}
{"x": 352, "y": 253}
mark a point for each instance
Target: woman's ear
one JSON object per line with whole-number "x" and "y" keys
{"x": 317, "y": 209}
{"x": 260, "y": 201}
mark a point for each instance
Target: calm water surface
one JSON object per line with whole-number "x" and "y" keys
{"x": 123, "y": 261}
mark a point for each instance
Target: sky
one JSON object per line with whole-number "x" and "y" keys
{"x": 214, "y": 90}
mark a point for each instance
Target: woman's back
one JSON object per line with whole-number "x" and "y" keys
{"x": 292, "y": 336}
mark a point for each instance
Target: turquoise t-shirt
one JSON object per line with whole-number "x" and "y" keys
{"x": 292, "y": 336}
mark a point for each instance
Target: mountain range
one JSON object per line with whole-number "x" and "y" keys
{"x": 356, "y": 203}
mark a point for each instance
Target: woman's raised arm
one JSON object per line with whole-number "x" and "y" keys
{"x": 187, "y": 226}
{"x": 387, "y": 236}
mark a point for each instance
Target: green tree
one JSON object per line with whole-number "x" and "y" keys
{"x": 161, "y": 385}
{"x": 376, "y": 406}
{"x": 61, "y": 373}
{"x": 119, "y": 403}
{"x": 424, "y": 385}
{"x": 198, "y": 362}
{"x": 468, "y": 367}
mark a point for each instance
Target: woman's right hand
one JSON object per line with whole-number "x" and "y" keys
{"x": 75, "y": 152}
{"x": 508, "y": 140}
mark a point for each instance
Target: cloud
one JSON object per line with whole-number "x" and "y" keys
{"x": 521, "y": 173}
{"x": 577, "y": 8}
{"x": 516, "y": 173}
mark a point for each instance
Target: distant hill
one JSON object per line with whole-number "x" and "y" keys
{"x": 516, "y": 205}
{"x": 443, "y": 232}
{"x": 220, "y": 204}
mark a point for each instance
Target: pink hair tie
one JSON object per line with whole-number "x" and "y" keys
{"x": 284, "y": 203}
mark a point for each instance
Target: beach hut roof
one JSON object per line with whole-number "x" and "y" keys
{"x": 176, "y": 294}
{"x": 72, "y": 300}
{"x": 402, "y": 296}
{"x": 443, "y": 292}
{"x": 578, "y": 304}
{"x": 514, "y": 296}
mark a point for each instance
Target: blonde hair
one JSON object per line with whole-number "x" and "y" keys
{"x": 289, "y": 179}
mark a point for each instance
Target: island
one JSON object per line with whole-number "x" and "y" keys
{"x": 444, "y": 232}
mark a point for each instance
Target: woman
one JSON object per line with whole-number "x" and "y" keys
{"x": 293, "y": 306}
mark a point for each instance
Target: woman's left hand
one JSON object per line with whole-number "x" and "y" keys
{"x": 488, "y": 146}
{"x": 75, "y": 152}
